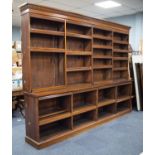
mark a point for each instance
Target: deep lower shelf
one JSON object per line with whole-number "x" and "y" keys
{"x": 62, "y": 133}
{"x": 53, "y": 118}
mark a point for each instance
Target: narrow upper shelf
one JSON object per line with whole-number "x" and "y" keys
{"x": 54, "y": 50}
{"x": 79, "y": 53}
{"x": 102, "y": 57}
{"x": 120, "y": 58}
{"x": 47, "y": 32}
{"x": 76, "y": 69}
{"x": 102, "y": 46}
{"x": 75, "y": 35}
{"x": 97, "y": 36}
{"x": 120, "y": 42}
{"x": 120, "y": 68}
{"x": 120, "y": 51}
{"x": 103, "y": 67}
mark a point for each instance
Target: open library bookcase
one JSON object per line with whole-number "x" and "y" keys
{"x": 75, "y": 73}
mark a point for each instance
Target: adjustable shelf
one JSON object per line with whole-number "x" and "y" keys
{"x": 120, "y": 69}
{"x": 69, "y": 34}
{"x": 50, "y": 50}
{"x": 46, "y": 32}
{"x": 102, "y": 47}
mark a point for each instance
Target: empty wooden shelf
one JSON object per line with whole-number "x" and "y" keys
{"x": 75, "y": 73}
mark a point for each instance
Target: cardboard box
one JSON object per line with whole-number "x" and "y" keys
{"x": 14, "y": 57}
{"x": 18, "y": 45}
{"x": 16, "y": 73}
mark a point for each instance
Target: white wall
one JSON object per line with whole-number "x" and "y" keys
{"x": 135, "y": 21}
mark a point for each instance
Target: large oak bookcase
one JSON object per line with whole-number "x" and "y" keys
{"x": 75, "y": 73}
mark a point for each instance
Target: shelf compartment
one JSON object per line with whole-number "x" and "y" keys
{"x": 46, "y": 41}
{"x": 78, "y": 29}
{"x": 84, "y": 100}
{"x": 54, "y": 129}
{"x": 78, "y": 44}
{"x": 101, "y": 42}
{"x": 117, "y": 36}
{"x": 106, "y": 96}
{"x": 49, "y": 65}
{"x": 69, "y": 34}
{"x": 102, "y": 75}
{"x": 120, "y": 75}
{"x": 78, "y": 63}
{"x": 79, "y": 77}
{"x": 46, "y": 32}
{"x": 102, "y": 33}
{"x": 120, "y": 47}
{"x": 102, "y": 63}
{"x": 102, "y": 52}
{"x": 123, "y": 91}
{"x": 106, "y": 111}
{"x": 124, "y": 105}
{"x": 54, "y": 106}
{"x": 118, "y": 64}
{"x": 45, "y": 24}
{"x": 84, "y": 119}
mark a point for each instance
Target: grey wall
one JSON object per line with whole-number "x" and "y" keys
{"x": 16, "y": 33}
{"x": 135, "y": 21}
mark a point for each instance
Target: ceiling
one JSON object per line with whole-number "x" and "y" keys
{"x": 85, "y": 7}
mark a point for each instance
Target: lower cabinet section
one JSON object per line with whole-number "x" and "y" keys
{"x": 55, "y": 128}
{"x": 53, "y": 118}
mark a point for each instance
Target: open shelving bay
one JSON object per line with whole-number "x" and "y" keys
{"x": 75, "y": 73}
